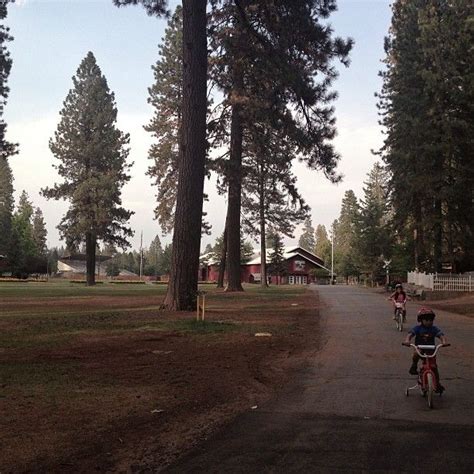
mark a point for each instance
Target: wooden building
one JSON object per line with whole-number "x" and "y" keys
{"x": 299, "y": 266}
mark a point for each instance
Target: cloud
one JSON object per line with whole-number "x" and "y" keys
{"x": 21, "y": 3}
{"x": 33, "y": 169}
{"x": 354, "y": 143}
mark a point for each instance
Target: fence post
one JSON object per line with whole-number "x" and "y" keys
{"x": 470, "y": 283}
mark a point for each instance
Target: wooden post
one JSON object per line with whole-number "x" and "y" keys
{"x": 197, "y": 308}
{"x": 203, "y": 305}
{"x": 200, "y": 311}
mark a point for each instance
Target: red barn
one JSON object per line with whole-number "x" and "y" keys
{"x": 299, "y": 262}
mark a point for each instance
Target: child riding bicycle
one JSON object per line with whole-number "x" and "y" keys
{"x": 425, "y": 334}
{"x": 399, "y": 296}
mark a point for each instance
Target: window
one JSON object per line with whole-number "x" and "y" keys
{"x": 300, "y": 265}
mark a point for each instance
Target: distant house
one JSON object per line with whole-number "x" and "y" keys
{"x": 3, "y": 263}
{"x": 299, "y": 263}
{"x": 75, "y": 264}
{"x": 127, "y": 273}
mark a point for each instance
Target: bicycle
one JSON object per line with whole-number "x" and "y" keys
{"x": 427, "y": 382}
{"x": 399, "y": 316}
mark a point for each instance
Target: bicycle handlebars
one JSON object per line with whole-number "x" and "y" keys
{"x": 425, "y": 356}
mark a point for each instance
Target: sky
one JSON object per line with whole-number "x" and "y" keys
{"x": 51, "y": 37}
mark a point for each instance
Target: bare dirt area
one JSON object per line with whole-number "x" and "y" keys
{"x": 110, "y": 388}
{"x": 463, "y": 305}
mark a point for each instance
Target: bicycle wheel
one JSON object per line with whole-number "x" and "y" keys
{"x": 399, "y": 320}
{"x": 430, "y": 390}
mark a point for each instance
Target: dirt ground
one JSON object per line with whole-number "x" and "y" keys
{"x": 107, "y": 384}
{"x": 462, "y": 305}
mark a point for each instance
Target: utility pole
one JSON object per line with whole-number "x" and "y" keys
{"x": 415, "y": 238}
{"x": 98, "y": 265}
{"x": 332, "y": 255}
{"x": 387, "y": 271}
{"x": 141, "y": 255}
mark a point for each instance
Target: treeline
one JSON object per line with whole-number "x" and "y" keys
{"x": 271, "y": 64}
{"x": 366, "y": 236}
{"x": 23, "y": 233}
{"x": 427, "y": 110}
{"x": 24, "y": 247}
{"x": 363, "y": 234}
{"x": 154, "y": 260}
{"x": 418, "y": 206}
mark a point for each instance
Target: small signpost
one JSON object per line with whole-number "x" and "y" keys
{"x": 387, "y": 271}
{"x": 201, "y": 310}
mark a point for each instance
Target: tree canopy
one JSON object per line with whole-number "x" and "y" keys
{"x": 92, "y": 154}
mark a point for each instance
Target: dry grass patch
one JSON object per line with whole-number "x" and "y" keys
{"x": 99, "y": 379}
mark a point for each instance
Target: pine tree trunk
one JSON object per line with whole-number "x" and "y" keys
{"x": 222, "y": 264}
{"x": 234, "y": 282}
{"x": 417, "y": 235}
{"x": 183, "y": 283}
{"x": 90, "y": 258}
{"x": 438, "y": 236}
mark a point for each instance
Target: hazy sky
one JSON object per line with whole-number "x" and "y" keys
{"x": 53, "y": 36}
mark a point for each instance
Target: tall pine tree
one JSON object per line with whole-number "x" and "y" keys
{"x": 39, "y": 233}
{"x": 376, "y": 238}
{"x": 6, "y": 206}
{"x": 7, "y": 149}
{"x": 426, "y": 108}
{"x": 446, "y": 39}
{"x": 281, "y": 47}
{"x": 92, "y": 154}
{"x": 269, "y": 195}
{"x": 277, "y": 265}
{"x": 166, "y": 98}
{"x": 183, "y": 285}
{"x": 323, "y": 245}
{"x": 307, "y": 239}
{"x": 346, "y": 237}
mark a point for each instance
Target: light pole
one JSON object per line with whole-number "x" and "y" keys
{"x": 387, "y": 271}
{"x": 141, "y": 255}
{"x": 332, "y": 255}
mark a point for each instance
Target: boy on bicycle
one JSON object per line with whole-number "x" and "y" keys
{"x": 399, "y": 296}
{"x": 425, "y": 334}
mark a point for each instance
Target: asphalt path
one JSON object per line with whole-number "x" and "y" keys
{"x": 347, "y": 410}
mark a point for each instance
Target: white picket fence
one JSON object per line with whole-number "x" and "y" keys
{"x": 442, "y": 281}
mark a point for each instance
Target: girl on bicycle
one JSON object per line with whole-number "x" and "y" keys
{"x": 399, "y": 296}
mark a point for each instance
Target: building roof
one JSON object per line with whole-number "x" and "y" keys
{"x": 289, "y": 252}
{"x": 209, "y": 258}
{"x": 125, "y": 272}
{"x": 81, "y": 257}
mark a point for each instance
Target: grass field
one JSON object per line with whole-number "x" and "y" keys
{"x": 101, "y": 378}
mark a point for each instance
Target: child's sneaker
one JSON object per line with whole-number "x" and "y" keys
{"x": 413, "y": 370}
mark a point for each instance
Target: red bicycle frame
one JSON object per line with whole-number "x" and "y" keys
{"x": 428, "y": 371}
{"x": 427, "y": 366}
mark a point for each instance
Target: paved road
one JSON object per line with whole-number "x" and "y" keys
{"x": 347, "y": 411}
